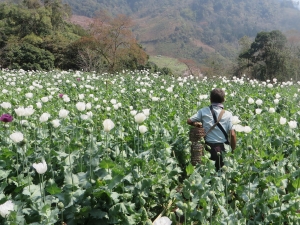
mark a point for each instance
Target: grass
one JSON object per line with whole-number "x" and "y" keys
{"x": 172, "y": 63}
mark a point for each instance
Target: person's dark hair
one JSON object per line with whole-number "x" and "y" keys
{"x": 217, "y": 95}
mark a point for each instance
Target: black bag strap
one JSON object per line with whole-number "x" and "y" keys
{"x": 218, "y": 124}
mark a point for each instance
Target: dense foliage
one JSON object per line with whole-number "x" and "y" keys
{"x": 38, "y": 36}
{"x": 269, "y": 56}
{"x": 35, "y": 36}
{"x": 83, "y": 148}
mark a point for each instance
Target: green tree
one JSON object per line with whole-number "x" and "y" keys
{"x": 39, "y": 29}
{"x": 27, "y": 57}
{"x": 242, "y": 63}
{"x": 59, "y": 12}
{"x": 267, "y": 55}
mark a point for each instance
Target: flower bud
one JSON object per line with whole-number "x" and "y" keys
{"x": 211, "y": 194}
{"x": 68, "y": 140}
{"x": 61, "y": 205}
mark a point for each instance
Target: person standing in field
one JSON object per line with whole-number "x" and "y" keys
{"x": 217, "y": 125}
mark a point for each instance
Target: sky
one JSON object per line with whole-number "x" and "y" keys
{"x": 296, "y": 4}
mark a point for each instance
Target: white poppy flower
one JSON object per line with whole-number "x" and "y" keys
{"x": 170, "y": 89}
{"x": 116, "y": 106}
{"x": 28, "y": 111}
{"x": 140, "y": 117}
{"x": 250, "y": 101}
{"x": 108, "y": 124}
{"x": 235, "y": 120}
{"x": 84, "y": 117}
{"x": 258, "y": 111}
{"x": 155, "y": 99}
{"x": 238, "y": 128}
{"x": 45, "y": 99}
{"x": 113, "y": 101}
{"x": 163, "y": 221}
{"x": 66, "y": 99}
{"x": 17, "y": 137}
{"x": 247, "y": 129}
{"x": 80, "y": 106}
{"x": 44, "y": 117}
{"x": 28, "y": 95}
{"x": 5, "y": 105}
{"x": 6, "y": 207}
{"x": 259, "y": 102}
{"x": 24, "y": 122}
{"x": 292, "y": 124}
{"x": 81, "y": 96}
{"x": 88, "y": 106}
{"x": 143, "y": 129}
{"x": 282, "y": 120}
{"x": 39, "y": 105}
{"x": 63, "y": 113}
{"x": 146, "y": 112}
{"x": 20, "y": 111}
{"x": 276, "y": 101}
{"x": 133, "y": 112}
{"x": 271, "y": 110}
{"x": 55, "y": 123}
{"x": 40, "y": 168}
{"x": 89, "y": 114}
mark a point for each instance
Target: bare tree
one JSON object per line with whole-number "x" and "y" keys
{"x": 89, "y": 60}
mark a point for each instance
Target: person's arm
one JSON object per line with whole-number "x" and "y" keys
{"x": 195, "y": 124}
{"x": 232, "y": 139}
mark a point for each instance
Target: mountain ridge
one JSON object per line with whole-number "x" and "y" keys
{"x": 195, "y": 29}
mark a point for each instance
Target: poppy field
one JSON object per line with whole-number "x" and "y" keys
{"x": 85, "y": 148}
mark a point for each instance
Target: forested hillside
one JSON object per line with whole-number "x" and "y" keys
{"x": 37, "y": 35}
{"x": 204, "y": 30}
{"x": 208, "y": 32}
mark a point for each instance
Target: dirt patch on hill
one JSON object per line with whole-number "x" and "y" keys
{"x": 199, "y": 44}
{"x": 81, "y": 20}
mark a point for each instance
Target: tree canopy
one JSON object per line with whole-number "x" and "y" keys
{"x": 34, "y": 36}
{"x": 38, "y": 36}
{"x": 269, "y": 57}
